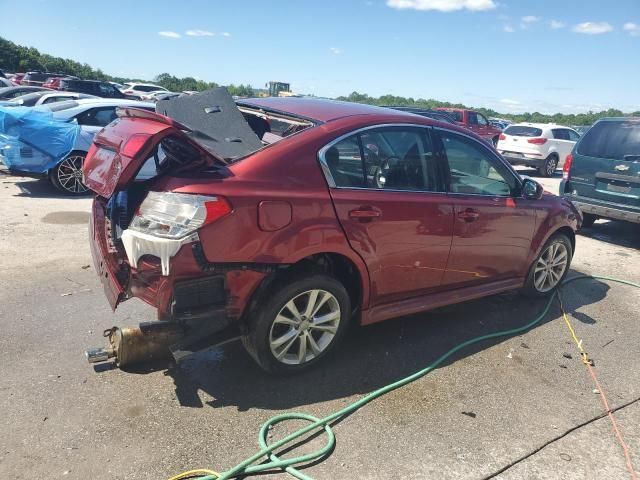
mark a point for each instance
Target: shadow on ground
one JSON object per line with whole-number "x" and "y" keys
{"x": 616, "y": 232}
{"x": 34, "y": 187}
{"x": 370, "y": 357}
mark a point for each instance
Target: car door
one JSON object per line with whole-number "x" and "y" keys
{"x": 493, "y": 228}
{"x": 390, "y": 202}
{"x": 479, "y": 125}
{"x": 563, "y": 143}
{"x": 91, "y": 122}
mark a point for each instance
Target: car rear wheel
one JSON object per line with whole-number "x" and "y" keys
{"x": 297, "y": 325}
{"x": 550, "y": 267}
{"x": 495, "y": 140}
{"x": 548, "y": 168}
{"x": 67, "y": 175}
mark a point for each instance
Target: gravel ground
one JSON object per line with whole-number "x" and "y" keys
{"x": 522, "y": 406}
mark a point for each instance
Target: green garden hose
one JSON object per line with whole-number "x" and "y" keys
{"x": 249, "y": 466}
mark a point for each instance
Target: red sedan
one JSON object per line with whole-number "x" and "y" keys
{"x": 291, "y": 218}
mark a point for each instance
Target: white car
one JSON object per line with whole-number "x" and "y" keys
{"x": 92, "y": 115}
{"x": 137, "y": 90}
{"x": 158, "y": 95}
{"x": 45, "y": 97}
{"x": 544, "y": 146}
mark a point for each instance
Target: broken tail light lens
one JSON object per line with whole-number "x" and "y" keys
{"x": 177, "y": 215}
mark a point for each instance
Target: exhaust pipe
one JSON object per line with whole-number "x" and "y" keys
{"x": 130, "y": 345}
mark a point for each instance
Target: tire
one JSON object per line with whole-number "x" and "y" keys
{"x": 67, "y": 175}
{"x": 264, "y": 333}
{"x": 548, "y": 168}
{"x": 553, "y": 249}
{"x": 495, "y": 140}
{"x": 588, "y": 220}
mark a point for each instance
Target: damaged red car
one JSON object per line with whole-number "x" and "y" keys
{"x": 285, "y": 220}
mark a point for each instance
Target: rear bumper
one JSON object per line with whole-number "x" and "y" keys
{"x": 603, "y": 209}
{"x": 190, "y": 292}
{"x": 518, "y": 160}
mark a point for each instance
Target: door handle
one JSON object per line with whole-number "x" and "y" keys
{"x": 365, "y": 213}
{"x": 468, "y": 215}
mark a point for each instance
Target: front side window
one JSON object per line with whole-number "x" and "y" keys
{"x": 473, "y": 170}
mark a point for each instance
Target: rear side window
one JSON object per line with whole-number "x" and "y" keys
{"x": 522, "y": 131}
{"x": 398, "y": 158}
{"x": 618, "y": 140}
{"x": 345, "y": 163}
{"x": 146, "y": 88}
{"x": 456, "y": 115}
{"x": 560, "y": 134}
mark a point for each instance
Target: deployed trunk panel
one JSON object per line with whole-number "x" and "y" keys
{"x": 214, "y": 121}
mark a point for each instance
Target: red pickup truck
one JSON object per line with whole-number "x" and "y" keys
{"x": 474, "y": 121}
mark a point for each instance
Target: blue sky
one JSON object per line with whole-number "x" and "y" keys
{"x": 510, "y": 55}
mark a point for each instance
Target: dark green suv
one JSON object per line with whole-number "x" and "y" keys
{"x": 602, "y": 174}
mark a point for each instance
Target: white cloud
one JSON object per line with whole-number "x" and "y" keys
{"x": 199, "y": 33}
{"x": 592, "y": 28}
{"x": 442, "y": 5}
{"x": 508, "y": 29}
{"x": 632, "y": 28}
{"x": 508, "y": 101}
{"x": 169, "y": 34}
{"x": 225, "y": 34}
{"x": 555, "y": 24}
{"x": 530, "y": 19}
{"x": 335, "y": 50}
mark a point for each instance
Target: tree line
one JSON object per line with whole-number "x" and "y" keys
{"x": 535, "y": 117}
{"x": 16, "y": 58}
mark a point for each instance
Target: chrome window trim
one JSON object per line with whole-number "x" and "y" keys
{"x": 327, "y": 171}
{"x": 493, "y": 154}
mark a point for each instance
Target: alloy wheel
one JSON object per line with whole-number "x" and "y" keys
{"x": 69, "y": 174}
{"x": 551, "y": 166}
{"x": 550, "y": 267}
{"x": 305, "y": 327}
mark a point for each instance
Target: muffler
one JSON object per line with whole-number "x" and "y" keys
{"x": 146, "y": 342}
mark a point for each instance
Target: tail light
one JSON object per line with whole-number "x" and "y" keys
{"x": 537, "y": 141}
{"x": 177, "y": 215}
{"x": 134, "y": 145}
{"x": 566, "y": 169}
{"x": 502, "y": 136}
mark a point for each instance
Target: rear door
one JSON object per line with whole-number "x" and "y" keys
{"x": 606, "y": 162}
{"x": 492, "y": 227}
{"x": 388, "y": 195}
{"x": 563, "y": 143}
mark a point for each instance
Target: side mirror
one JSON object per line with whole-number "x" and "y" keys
{"x": 531, "y": 190}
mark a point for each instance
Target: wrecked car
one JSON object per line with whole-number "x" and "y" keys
{"x": 51, "y": 141}
{"x": 285, "y": 220}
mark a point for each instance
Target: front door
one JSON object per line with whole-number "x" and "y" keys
{"x": 493, "y": 228}
{"x": 390, "y": 202}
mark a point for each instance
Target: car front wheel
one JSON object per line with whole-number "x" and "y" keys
{"x": 67, "y": 175}
{"x": 295, "y": 326}
{"x": 550, "y": 267}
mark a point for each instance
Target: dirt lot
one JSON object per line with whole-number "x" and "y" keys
{"x": 522, "y": 406}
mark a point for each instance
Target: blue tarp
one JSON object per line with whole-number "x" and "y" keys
{"x": 33, "y": 139}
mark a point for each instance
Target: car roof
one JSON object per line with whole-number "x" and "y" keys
{"x": 540, "y": 125}
{"x": 87, "y": 103}
{"x": 144, "y": 84}
{"x": 318, "y": 109}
